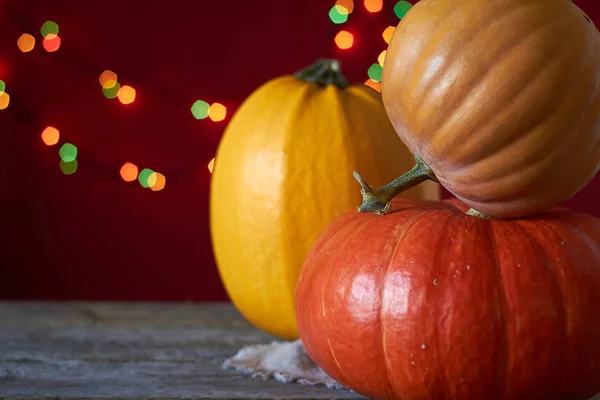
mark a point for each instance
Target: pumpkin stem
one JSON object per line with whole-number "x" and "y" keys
{"x": 473, "y": 212}
{"x": 324, "y": 72}
{"x": 378, "y": 201}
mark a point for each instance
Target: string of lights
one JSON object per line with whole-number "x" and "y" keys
{"x": 112, "y": 88}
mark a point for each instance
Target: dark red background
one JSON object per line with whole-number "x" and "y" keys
{"x": 93, "y": 236}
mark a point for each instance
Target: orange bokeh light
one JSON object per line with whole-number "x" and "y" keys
{"x": 108, "y": 79}
{"x": 4, "y": 100}
{"x": 26, "y": 42}
{"x": 211, "y": 165}
{"x": 373, "y": 5}
{"x": 217, "y": 112}
{"x": 126, "y": 94}
{"x": 158, "y": 181}
{"x": 387, "y": 34}
{"x": 129, "y": 172}
{"x": 51, "y": 44}
{"x": 374, "y": 85}
{"x": 344, "y": 40}
{"x": 50, "y": 136}
{"x": 347, "y": 4}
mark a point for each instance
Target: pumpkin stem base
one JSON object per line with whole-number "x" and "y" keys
{"x": 324, "y": 72}
{"x": 378, "y": 201}
{"x": 473, "y": 212}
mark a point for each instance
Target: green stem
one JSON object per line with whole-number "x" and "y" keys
{"x": 378, "y": 200}
{"x": 473, "y": 212}
{"x": 324, "y": 72}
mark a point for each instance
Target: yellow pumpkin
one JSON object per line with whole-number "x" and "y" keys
{"x": 283, "y": 172}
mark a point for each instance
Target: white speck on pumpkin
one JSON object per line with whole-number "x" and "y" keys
{"x": 468, "y": 267}
{"x": 423, "y": 346}
{"x": 518, "y": 265}
{"x": 435, "y": 282}
{"x": 413, "y": 363}
{"x": 563, "y": 243}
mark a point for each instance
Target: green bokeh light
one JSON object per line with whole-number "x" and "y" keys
{"x": 200, "y": 109}
{"x": 68, "y": 168}
{"x": 338, "y": 14}
{"x": 67, "y": 152}
{"x": 112, "y": 92}
{"x": 143, "y": 177}
{"x": 375, "y": 72}
{"x": 401, "y": 8}
{"x": 2, "y": 86}
{"x": 49, "y": 27}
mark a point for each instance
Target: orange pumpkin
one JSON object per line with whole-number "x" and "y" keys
{"x": 428, "y": 303}
{"x": 499, "y": 98}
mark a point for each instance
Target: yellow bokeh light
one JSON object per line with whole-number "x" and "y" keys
{"x": 108, "y": 79}
{"x": 126, "y": 94}
{"x": 4, "y": 100}
{"x": 344, "y": 40}
{"x": 217, "y": 112}
{"x": 387, "y": 34}
{"x": 129, "y": 172}
{"x": 347, "y": 4}
{"x": 374, "y": 85}
{"x": 381, "y": 58}
{"x": 50, "y": 136}
{"x": 26, "y": 42}
{"x": 211, "y": 165}
{"x": 341, "y": 10}
{"x": 373, "y": 5}
{"x": 157, "y": 181}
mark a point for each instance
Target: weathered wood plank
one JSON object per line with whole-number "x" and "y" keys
{"x": 132, "y": 351}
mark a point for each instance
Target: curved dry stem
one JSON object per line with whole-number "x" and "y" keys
{"x": 378, "y": 201}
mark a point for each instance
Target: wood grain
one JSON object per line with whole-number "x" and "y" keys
{"x": 132, "y": 351}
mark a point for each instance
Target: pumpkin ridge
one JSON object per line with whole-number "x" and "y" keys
{"x": 412, "y": 222}
{"x": 442, "y": 372}
{"x": 435, "y": 36}
{"x": 303, "y": 97}
{"x": 564, "y": 297}
{"x": 354, "y": 226}
{"x": 457, "y": 114}
{"x": 347, "y": 140}
{"x": 502, "y": 52}
{"x": 565, "y": 318}
{"x": 546, "y": 157}
{"x": 503, "y": 311}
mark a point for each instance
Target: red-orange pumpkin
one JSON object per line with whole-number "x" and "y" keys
{"x": 500, "y": 98}
{"x": 429, "y": 303}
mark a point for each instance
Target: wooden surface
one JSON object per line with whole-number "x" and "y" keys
{"x": 132, "y": 351}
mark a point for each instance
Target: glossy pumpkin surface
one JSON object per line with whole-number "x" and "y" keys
{"x": 500, "y": 98}
{"x": 429, "y": 303}
{"x": 271, "y": 193}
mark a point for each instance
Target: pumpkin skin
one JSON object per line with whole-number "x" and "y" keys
{"x": 500, "y": 98}
{"x": 428, "y": 303}
{"x": 271, "y": 188}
